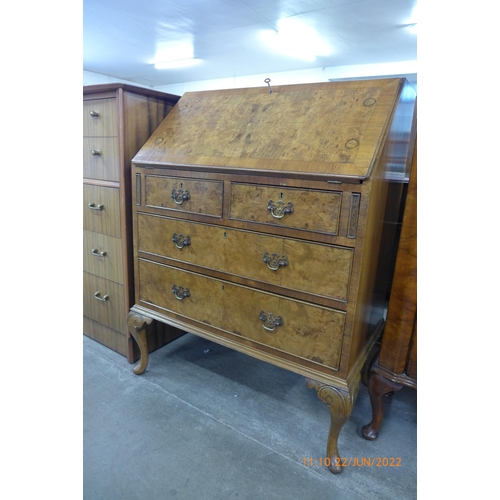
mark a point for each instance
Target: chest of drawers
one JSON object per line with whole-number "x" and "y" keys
{"x": 117, "y": 120}
{"x": 258, "y": 220}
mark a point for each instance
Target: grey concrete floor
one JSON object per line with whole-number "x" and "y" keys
{"x": 206, "y": 422}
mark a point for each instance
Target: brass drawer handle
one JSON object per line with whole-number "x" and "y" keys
{"x": 279, "y": 209}
{"x": 96, "y": 252}
{"x": 97, "y": 295}
{"x": 93, "y": 114}
{"x": 180, "y": 293}
{"x": 269, "y": 321}
{"x": 181, "y": 241}
{"x": 95, "y": 152}
{"x": 274, "y": 261}
{"x": 93, "y": 206}
{"x": 180, "y": 196}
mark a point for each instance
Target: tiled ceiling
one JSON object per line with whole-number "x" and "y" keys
{"x": 227, "y": 37}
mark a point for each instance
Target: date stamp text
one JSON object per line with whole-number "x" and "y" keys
{"x": 352, "y": 462}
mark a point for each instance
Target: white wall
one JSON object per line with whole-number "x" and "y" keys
{"x": 283, "y": 78}
{"x": 90, "y": 78}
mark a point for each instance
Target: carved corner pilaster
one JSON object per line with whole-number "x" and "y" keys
{"x": 137, "y": 324}
{"x": 340, "y": 403}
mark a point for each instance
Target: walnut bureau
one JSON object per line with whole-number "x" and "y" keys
{"x": 117, "y": 120}
{"x": 257, "y": 221}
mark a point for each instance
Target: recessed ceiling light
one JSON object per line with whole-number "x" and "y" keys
{"x": 178, "y": 54}
{"x": 179, "y": 63}
{"x": 296, "y": 39}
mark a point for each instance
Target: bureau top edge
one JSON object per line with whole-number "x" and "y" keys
{"x": 331, "y": 179}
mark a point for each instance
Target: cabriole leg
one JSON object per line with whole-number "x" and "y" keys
{"x": 340, "y": 403}
{"x": 377, "y": 388}
{"x": 137, "y": 324}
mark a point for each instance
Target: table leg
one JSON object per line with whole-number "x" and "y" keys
{"x": 377, "y": 388}
{"x": 137, "y": 324}
{"x": 340, "y": 403}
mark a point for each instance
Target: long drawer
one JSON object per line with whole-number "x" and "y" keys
{"x": 104, "y": 301}
{"x": 309, "y": 267}
{"x": 103, "y": 256}
{"x": 101, "y": 210}
{"x": 288, "y": 325}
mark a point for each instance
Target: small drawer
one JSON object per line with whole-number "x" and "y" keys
{"x": 101, "y": 158}
{"x": 104, "y": 301}
{"x": 300, "y": 329}
{"x": 101, "y": 210}
{"x": 102, "y": 256}
{"x": 319, "y": 269}
{"x": 184, "y": 195}
{"x": 100, "y": 118}
{"x": 288, "y": 207}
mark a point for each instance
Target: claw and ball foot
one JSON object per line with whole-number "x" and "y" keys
{"x": 137, "y": 324}
{"x": 340, "y": 403}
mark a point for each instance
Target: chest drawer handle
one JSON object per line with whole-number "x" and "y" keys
{"x": 97, "y": 295}
{"x": 180, "y": 293}
{"x": 96, "y": 252}
{"x": 93, "y": 206}
{"x": 181, "y": 241}
{"x": 93, "y": 114}
{"x": 274, "y": 261}
{"x": 95, "y": 152}
{"x": 279, "y": 209}
{"x": 269, "y": 321}
{"x": 180, "y": 196}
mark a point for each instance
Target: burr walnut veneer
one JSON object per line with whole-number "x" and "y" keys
{"x": 257, "y": 224}
{"x": 117, "y": 120}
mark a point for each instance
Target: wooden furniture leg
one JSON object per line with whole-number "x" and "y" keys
{"x": 137, "y": 324}
{"x": 340, "y": 404}
{"x": 377, "y": 388}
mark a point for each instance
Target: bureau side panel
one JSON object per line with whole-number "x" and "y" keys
{"x": 365, "y": 307}
{"x": 373, "y": 268}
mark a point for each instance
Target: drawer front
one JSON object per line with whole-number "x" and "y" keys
{"x": 184, "y": 195}
{"x": 104, "y": 301}
{"x": 101, "y": 158}
{"x": 296, "y": 208}
{"x": 308, "y": 267}
{"x": 199, "y": 244}
{"x": 100, "y": 118}
{"x": 304, "y": 330}
{"x": 101, "y": 210}
{"x": 102, "y": 256}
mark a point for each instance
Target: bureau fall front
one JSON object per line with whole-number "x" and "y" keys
{"x": 258, "y": 220}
